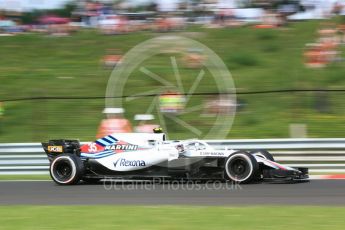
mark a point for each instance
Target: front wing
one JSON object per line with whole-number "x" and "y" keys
{"x": 280, "y": 175}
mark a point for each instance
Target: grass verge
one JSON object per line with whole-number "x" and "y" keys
{"x": 171, "y": 217}
{"x": 24, "y": 177}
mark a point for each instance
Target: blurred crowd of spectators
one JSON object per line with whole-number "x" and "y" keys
{"x": 119, "y": 17}
{"x": 326, "y": 48}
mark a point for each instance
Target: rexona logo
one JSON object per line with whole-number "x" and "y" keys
{"x": 121, "y": 147}
{"x": 126, "y": 163}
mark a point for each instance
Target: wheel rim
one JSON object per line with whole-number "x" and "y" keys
{"x": 239, "y": 168}
{"x": 63, "y": 170}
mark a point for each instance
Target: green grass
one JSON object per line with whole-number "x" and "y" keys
{"x": 36, "y": 65}
{"x": 170, "y": 217}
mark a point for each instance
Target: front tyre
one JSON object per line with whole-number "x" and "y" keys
{"x": 66, "y": 169}
{"x": 241, "y": 167}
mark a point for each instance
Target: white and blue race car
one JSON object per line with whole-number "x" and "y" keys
{"x": 149, "y": 156}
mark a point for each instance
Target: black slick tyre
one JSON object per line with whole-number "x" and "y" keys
{"x": 66, "y": 169}
{"x": 241, "y": 167}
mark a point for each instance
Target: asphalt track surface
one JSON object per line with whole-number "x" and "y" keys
{"x": 316, "y": 192}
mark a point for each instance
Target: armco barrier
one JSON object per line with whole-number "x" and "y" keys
{"x": 324, "y": 155}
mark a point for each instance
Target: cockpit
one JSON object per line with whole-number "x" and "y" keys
{"x": 194, "y": 146}
{"x": 191, "y": 146}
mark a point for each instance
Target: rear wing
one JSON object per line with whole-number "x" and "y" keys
{"x": 60, "y": 146}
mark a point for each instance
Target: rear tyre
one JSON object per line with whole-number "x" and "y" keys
{"x": 66, "y": 169}
{"x": 241, "y": 167}
{"x": 263, "y": 154}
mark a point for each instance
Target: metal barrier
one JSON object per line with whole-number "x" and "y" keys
{"x": 320, "y": 155}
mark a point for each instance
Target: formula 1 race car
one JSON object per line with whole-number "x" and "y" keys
{"x": 149, "y": 156}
